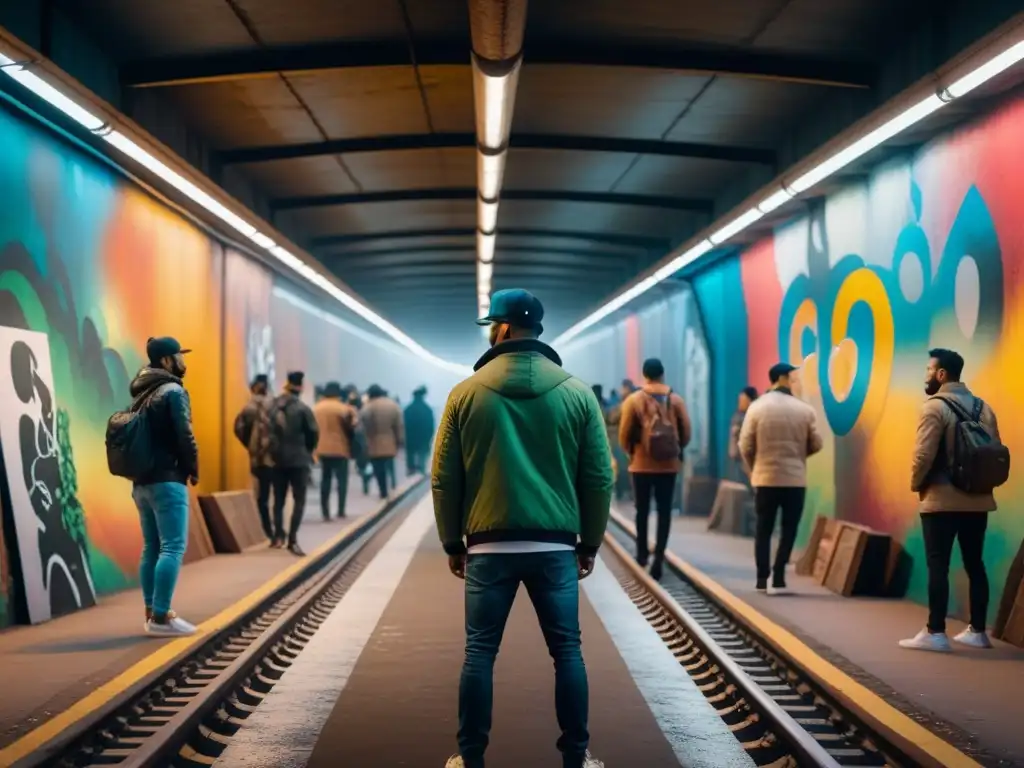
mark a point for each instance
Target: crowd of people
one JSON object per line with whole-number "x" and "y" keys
{"x": 526, "y": 464}
{"x": 153, "y": 444}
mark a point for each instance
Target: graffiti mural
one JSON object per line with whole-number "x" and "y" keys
{"x": 47, "y": 524}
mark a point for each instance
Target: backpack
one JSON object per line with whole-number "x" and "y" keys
{"x": 129, "y": 440}
{"x": 978, "y": 462}
{"x": 277, "y": 418}
{"x": 660, "y": 436}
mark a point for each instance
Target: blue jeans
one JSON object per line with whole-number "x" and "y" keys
{"x": 163, "y": 513}
{"x": 552, "y": 582}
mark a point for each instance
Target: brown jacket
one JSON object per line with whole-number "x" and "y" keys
{"x": 928, "y": 476}
{"x": 337, "y": 422}
{"x": 630, "y": 428}
{"x": 383, "y": 427}
{"x": 778, "y": 435}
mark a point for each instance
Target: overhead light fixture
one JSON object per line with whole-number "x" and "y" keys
{"x": 484, "y": 270}
{"x": 489, "y": 172}
{"x": 485, "y": 246}
{"x": 50, "y": 94}
{"x": 924, "y": 106}
{"x": 486, "y": 214}
{"x": 128, "y": 147}
{"x": 494, "y": 91}
{"x": 682, "y": 261}
{"x": 994, "y": 66}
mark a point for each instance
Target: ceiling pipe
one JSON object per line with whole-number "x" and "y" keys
{"x": 497, "y": 28}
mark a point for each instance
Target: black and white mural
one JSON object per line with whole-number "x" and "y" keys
{"x": 54, "y": 565}
{"x": 259, "y": 353}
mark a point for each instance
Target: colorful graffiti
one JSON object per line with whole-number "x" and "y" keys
{"x": 99, "y": 266}
{"x": 929, "y": 251}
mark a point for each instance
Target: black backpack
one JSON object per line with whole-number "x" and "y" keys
{"x": 979, "y": 463}
{"x": 130, "y": 440}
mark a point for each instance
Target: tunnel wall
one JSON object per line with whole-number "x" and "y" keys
{"x": 926, "y": 251}
{"x": 98, "y": 266}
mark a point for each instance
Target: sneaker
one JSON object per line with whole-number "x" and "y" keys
{"x": 296, "y": 550}
{"x": 656, "y": 570}
{"x": 778, "y": 587}
{"x": 927, "y": 641}
{"x": 589, "y": 761}
{"x": 175, "y": 627}
{"x": 762, "y": 585}
{"x": 277, "y": 543}
{"x": 973, "y": 638}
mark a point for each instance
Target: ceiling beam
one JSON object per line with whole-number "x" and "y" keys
{"x": 702, "y": 61}
{"x": 704, "y": 206}
{"x": 443, "y": 269}
{"x": 412, "y": 250}
{"x": 632, "y": 241}
{"x": 409, "y": 141}
{"x": 546, "y": 257}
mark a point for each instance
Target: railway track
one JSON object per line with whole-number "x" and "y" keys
{"x": 779, "y": 714}
{"x": 186, "y": 715}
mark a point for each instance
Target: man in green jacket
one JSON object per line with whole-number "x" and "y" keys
{"x": 522, "y": 470}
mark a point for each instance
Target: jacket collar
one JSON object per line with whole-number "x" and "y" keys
{"x": 517, "y": 345}
{"x": 953, "y": 387}
{"x": 783, "y": 390}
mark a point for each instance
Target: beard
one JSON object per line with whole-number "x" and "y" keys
{"x": 179, "y": 370}
{"x": 495, "y": 329}
{"x": 931, "y": 387}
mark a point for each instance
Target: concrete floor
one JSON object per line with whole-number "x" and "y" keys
{"x": 51, "y": 666}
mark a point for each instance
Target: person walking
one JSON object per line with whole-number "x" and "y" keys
{"x": 336, "y": 421}
{"x": 613, "y": 418}
{"x": 746, "y": 396}
{"x": 419, "y": 431}
{"x": 161, "y": 494}
{"x": 522, "y": 470}
{"x": 252, "y": 428}
{"x": 385, "y": 434}
{"x": 958, "y": 461}
{"x": 293, "y": 439}
{"x": 778, "y": 435}
{"x": 654, "y": 429}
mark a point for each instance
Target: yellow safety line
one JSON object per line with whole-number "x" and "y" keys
{"x": 869, "y": 702}
{"x": 168, "y": 652}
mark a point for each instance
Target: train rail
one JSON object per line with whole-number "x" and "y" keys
{"x": 186, "y": 714}
{"x": 778, "y": 711}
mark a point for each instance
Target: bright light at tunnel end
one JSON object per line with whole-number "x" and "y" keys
{"x": 921, "y": 109}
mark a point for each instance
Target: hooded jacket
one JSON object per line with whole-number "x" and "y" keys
{"x": 522, "y": 455}
{"x": 252, "y": 428}
{"x": 293, "y": 432}
{"x": 169, "y": 411}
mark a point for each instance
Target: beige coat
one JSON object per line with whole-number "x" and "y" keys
{"x": 779, "y": 433}
{"x": 383, "y": 427}
{"x": 938, "y": 424}
{"x": 336, "y": 421}
{"x": 630, "y": 428}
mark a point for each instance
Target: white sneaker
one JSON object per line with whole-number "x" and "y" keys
{"x": 175, "y": 627}
{"x": 589, "y": 761}
{"x": 779, "y": 591}
{"x": 973, "y": 639}
{"x": 928, "y": 641}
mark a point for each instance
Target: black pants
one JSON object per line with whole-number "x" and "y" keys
{"x": 940, "y": 529}
{"x": 416, "y": 458}
{"x": 383, "y": 468}
{"x": 331, "y": 467}
{"x": 264, "y": 482}
{"x": 767, "y": 502}
{"x": 662, "y": 486}
{"x": 296, "y": 478}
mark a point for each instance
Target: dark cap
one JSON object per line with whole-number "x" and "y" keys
{"x": 515, "y": 307}
{"x": 295, "y": 378}
{"x": 164, "y": 346}
{"x": 260, "y": 378}
{"x": 332, "y": 389}
{"x": 779, "y": 370}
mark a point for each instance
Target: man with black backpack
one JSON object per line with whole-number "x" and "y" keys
{"x": 293, "y": 439}
{"x": 653, "y": 431}
{"x": 252, "y": 428}
{"x": 152, "y": 444}
{"x": 958, "y": 461}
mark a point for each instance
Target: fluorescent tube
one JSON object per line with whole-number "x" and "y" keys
{"x": 988, "y": 70}
{"x": 485, "y": 247}
{"x": 489, "y": 172}
{"x": 486, "y": 214}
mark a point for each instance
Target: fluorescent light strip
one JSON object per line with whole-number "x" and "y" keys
{"x": 497, "y": 95}
{"x": 51, "y": 95}
{"x": 336, "y": 321}
{"x": 484, "y": 271}
{"x": 486, "y": 214}
{"x": 485, "y": 247}
{"x": 922, "y": 109}
{"x": 490, "y": 169}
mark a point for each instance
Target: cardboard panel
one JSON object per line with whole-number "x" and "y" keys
{"x": 733, "y": 510}
{"x": 805, "y": 565}
{"x": 826, "y": 546}
{"x": 1011, "y": 593}
{"x": 233, "y": 521}
{"x": 200, "y": 545}
{"x": 860, "y": 562}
